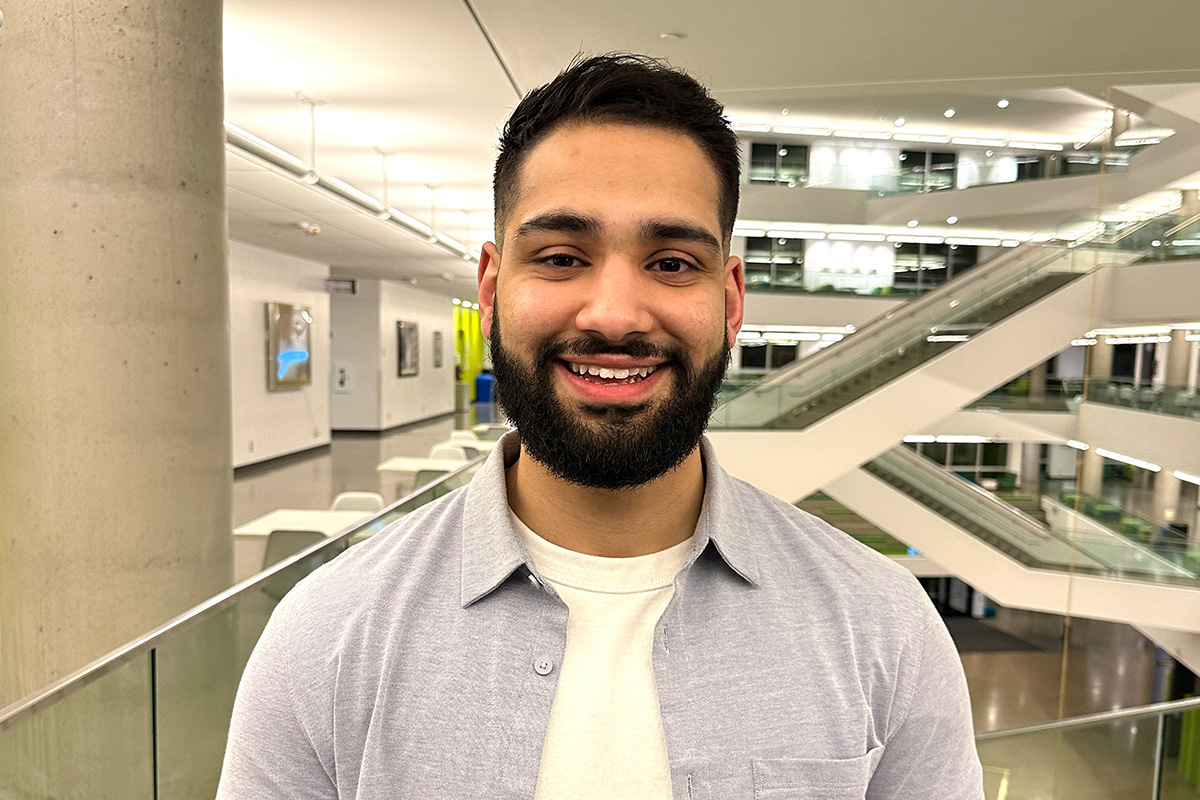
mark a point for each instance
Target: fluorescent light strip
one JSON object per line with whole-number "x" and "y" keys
{"x": 916, "y": 239}
{"x": 863, "y": 135}
{"x": 1035, "y": 146}
{"x": 749, "y": 233}
{"x": 962, "y": 439}
{"x": 967, "y": 140}
{"x": 1078, "y": 445}
{"x": 1124, "y": 459}
{"x": 746, "y": 128}
{"x": 975, "y": 242}
{"x": 920, "y": 137}
{"x": 858, "y": 237}
{"x": 1137, "y": 142}
{"x": 948, "y": 337}
{"x": 794, "y": 131}
{"x": 1187, "y": 476}
{"x": 920, "y": 439}
{"x": 1010, "y": 243}
{"x": 786, "y": 234}
{"x": 1083, "y": 342}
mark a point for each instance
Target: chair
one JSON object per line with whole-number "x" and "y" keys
{"x": 357, "y": 501}
{"x": 428, "y": 476}
{"x": 452, "y": 452}
{"x": 282, "y": 544}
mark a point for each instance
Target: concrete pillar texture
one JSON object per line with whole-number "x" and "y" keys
{"x": 115, "y": 466}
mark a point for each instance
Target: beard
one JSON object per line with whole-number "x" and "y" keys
{"x": 606, "y": 446}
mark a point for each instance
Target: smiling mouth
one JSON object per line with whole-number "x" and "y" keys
{"x": 609, "y": 375}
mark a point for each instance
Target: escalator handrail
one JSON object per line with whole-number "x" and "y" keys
{"x": 1086, "y": 720}
{"x": 12, "y": 714}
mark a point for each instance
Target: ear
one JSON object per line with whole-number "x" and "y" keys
{"x": 735, "y": 298}
{"x": 489, "y": 269}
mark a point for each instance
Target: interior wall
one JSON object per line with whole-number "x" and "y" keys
{"x": 431, "y": 391}
{"x": 270, "y": 424}
{"x": 355, "y": 349}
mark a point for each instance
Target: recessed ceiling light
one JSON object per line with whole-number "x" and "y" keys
{"x": 987, "y": 153}
{"x": 948, "y": 113}
{"x": 951, "y": 220}
{"x": 1002, "y": 103}
{"x": 900, "y": 122}
{"x": 912, "y": 223}
{"x": 784, "y": 112}
{"x": 672, "y": 35}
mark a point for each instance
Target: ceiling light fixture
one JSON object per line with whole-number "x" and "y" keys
{"x": 672, "y": 35}
{"x": 912, "y": 223}
{"x": 899, "y": 123}
{"x": 1078, "y": 445}
{"x": 948, "y": 113}
{"x": 1124, "y": 459}
{"x": 1002, "y": 103}
{"x": 951, "y": 220}
{"x": 784, "y": 112}
{"x": 1187, "y": 476}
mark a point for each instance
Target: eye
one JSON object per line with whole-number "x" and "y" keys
{"x": 560, "y": 261}
{"x": 672, "y": 264}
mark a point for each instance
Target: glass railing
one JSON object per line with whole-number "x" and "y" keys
{"x": 1179, "y": 401}
{"x": 150, "y": 720}
{"x": 1018, "y": 395}
{"x": 883, "y": 179}
{"x": 1008, "y": 529}
{"x": 906, "y": 337}
{"x": 1146, "y": 753}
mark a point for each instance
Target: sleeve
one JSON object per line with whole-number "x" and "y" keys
{"x": 930, "y": 751}
{"x": 270, "y": 754}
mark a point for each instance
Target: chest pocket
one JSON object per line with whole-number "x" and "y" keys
{"x": 811, "y": 778}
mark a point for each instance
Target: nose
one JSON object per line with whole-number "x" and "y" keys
{"x": 616, "y": 303}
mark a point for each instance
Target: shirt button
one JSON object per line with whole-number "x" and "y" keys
{"x": 543, "y": 666}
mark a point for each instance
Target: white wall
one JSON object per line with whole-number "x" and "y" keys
{"x": 779, "y": 308}
{"x": 269, "y": 424}
{"x": 355, "y": 348}
{"x": 862, "y": 266}
{"x": 431, "y": 391}
{"x": 847, "y": 166}
{"x": 973, "y": 169}
{"x": 1149, "y": 292}
{"x": 365, "y": 345}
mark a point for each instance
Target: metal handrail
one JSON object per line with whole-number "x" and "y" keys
{"x": 1152, "y": 710}
{"x": 12, "y": 714}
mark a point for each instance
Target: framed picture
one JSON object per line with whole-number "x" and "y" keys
{"x": 437, "y": 349}
{"x": 407, "y": 347}
{"x": 289, "y": 347}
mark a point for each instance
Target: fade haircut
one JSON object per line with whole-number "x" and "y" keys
{"x": 626, "y": 89}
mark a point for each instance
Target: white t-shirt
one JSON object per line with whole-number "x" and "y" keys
{"x": 605, "y": 738}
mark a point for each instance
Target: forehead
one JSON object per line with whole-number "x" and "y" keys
{"x": 618, "y": 172}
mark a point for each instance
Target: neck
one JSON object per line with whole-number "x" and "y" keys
{"x": 616, "y": 523}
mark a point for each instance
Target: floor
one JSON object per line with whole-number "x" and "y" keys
{"x": 1106, "y": 665}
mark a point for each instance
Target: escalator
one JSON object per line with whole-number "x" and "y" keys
{"x": 1008, "y": 555}
{"x": 909, "y": 369}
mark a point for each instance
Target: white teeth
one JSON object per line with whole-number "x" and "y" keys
{"x": 636, "y": 373}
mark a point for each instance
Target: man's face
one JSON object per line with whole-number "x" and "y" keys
{"x": 616, "y": 303}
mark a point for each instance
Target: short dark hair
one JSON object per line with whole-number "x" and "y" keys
{"x": 622, "y": 88}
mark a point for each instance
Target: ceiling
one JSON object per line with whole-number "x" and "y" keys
{"x": 430, "y": 82}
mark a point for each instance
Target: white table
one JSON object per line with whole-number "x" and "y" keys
{"x": 250, "y": 540}
{"x": 418, "y": 463}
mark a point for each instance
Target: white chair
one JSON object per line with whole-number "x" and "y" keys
{"x": 357, "y": 501}
{"x": 452, "y": 452}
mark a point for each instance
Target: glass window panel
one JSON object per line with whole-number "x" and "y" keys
{"x": 793, "y": 164}
{"x": 762, "y": 163}
{"x": 963, "y": 455}
{"x": 782, "y": 354}
{"x": 754, "y": 355}
{"x": 934, "y": 451}
{"x": 995, "y": 454}
{"x": 99, "y": 737}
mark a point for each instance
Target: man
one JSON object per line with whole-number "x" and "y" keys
{"x": 603, "y": 612}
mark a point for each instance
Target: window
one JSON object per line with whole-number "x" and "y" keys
{"x": 774, "y": 264}
{"x": 779, "y": 164}
{"x": 926, "y": 171}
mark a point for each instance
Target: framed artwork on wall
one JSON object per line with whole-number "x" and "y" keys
{"x": 437, "y": 349}
{"x": 407, "y": 347}
{"x": 289, "y": 347}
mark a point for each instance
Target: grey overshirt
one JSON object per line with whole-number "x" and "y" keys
{"x": 791, "y": 662}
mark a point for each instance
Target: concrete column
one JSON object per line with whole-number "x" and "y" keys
{"x": 1028, "y": 475}
{"x": 1037, "y": 380}
{"x": 1179, "y": 353}
{"x": 115, "y": 466}
{"x": 1099, "y": 361}
{"x": 1166, "y": 496}
{"x": 1091, "y": 472}
{"x": 1188, "y": 510}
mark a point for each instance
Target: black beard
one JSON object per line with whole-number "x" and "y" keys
{"x": 616, "y": 446}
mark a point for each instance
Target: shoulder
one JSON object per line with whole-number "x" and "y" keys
{"x": 363, "y": 588}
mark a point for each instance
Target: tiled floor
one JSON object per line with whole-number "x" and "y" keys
{"x": 1106, "y": 666}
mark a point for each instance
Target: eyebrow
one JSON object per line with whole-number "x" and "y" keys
{"x": 655, "y": 230}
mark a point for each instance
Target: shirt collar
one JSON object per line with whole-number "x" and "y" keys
{"x": 491, "y": 551}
